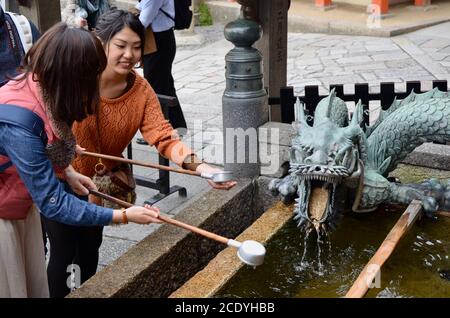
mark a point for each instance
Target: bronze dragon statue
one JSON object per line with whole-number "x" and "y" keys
{"x": 335, "y": 165}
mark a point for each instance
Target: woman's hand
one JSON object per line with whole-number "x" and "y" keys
{"x": 79, "y": 183}
{"x": 137, "y": 214}
{"x": 136, "y": 12}
{"x": 80, "y": 22}
{"x": 79, "y": 150}
{"x": 222, "y": 185}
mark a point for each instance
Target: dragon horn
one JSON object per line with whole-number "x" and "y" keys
{"x": 353, "y": 129}
{"x": 333, "y": 93}
{"x": 300, "y": 118}
{"x": 331, "y": 98}
{"x": 357, "y": 115}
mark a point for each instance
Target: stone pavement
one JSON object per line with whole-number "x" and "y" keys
{"x": 313, "y": 59}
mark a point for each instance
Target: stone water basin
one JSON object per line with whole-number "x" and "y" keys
{"x": 296, "y": 266}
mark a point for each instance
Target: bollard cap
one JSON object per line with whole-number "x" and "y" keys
{"x": 243, "y": 32}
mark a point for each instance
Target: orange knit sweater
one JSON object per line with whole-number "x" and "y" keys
{"x": 119, "y": 120}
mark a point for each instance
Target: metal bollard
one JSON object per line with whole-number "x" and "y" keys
{"x": 244, "y": 106}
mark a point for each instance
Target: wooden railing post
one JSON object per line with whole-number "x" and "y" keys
{"x": 383, "y": 5}
{"x": 422, "y": 3}
{"x": 324, "y": 4}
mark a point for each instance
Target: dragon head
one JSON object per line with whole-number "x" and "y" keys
{"x": 322, "y": 158}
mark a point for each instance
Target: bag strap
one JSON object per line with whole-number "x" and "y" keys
{"x": 24, "y": 118}
{"x": 24, "y": 29}
{"x": 12, "y": 31}
{"x": 5, "y": 166}
{"x": 99, "y": 168}
{"x": 130, "y": 82}
{"x": 168, "y": 15}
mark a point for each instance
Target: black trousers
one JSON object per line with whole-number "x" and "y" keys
{"x": 70, "y": 245}
{"x": 158, "y": 72}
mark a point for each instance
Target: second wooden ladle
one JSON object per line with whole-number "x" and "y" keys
{"x": 250, "y": 252}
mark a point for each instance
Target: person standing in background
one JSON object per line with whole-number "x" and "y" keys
{"x": 94, "y": 9}
{"x": 159, "y": 16}
{"x": 17, "y": 34}
{"x": 84, "y": 13}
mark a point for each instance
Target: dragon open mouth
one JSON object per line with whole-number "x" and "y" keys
{"x": 316, "y": 204}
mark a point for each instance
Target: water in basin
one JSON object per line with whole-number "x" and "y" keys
{"x": 296, "y": 266}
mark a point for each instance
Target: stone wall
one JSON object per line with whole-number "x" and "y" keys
{"x": 123, "y": 4}
{"x": 167, "y": 258}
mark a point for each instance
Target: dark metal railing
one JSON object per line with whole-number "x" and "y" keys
{"x": 162, "y": 184}
{"x": 312, "y": 97}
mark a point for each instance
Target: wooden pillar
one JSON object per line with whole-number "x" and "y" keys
{"x": 323, "y": 3}
{"x": 383, "y": 5}
{"x": 43, "y": 13}
{"x": 9, "y": 5}
{"x": 422, "y": 3}
{"x": 273, "y": 17}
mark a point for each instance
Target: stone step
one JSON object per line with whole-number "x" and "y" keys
{"x": 123, "y": 4}
{"x": 346, "y": 19}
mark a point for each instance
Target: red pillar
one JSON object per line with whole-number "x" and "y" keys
{"x": 383, "y": 4}
{"x": 323, "y": 3}
{"x": 422, "y": 3}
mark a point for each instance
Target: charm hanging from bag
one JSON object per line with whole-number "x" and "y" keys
{"x": 100, "y": 168}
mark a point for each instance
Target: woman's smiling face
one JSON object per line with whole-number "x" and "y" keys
{"x": 123, "y": 51}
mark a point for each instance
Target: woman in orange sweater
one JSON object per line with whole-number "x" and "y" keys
{"x": 127, "y": 104}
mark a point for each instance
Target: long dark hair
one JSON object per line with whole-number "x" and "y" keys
{"x": 113, "y": 21}
{"x": 67, "y": 63}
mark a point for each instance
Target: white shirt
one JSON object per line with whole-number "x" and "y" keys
{"x": 152, "y": 15}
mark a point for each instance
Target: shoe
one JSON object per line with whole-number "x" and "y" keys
{"x": 141, "y": 141}
{"x": 181, "y": 131}
{"x": 445, "y": 274}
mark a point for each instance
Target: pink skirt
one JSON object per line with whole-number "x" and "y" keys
{"x": 22, "y": 260}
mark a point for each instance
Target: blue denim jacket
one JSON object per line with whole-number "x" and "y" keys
{"x": 27, "y": 152}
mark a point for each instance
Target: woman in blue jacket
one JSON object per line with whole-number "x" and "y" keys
{"x": 32, "y": 152}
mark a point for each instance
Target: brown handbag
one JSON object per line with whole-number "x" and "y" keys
{"x": 119, "y": 182}
{"x": 123, "y": 177}
{"x": 150, "y": 43}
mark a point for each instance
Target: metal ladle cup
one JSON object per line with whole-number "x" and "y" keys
{"x": 249, "y": 252}
{"x": 218, "y": 177}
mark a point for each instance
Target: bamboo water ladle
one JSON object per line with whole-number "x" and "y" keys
{"x": 373, "y": 267}
{"x": 250, "y": 252}
{"x": 218, "y": 177}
